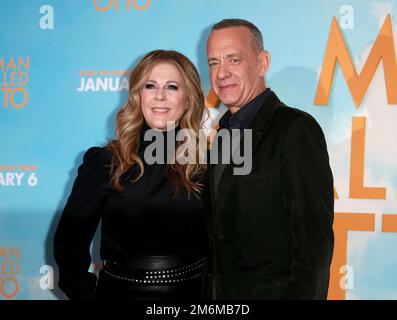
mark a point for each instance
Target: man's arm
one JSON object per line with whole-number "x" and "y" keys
{"x": 308, "y": 185}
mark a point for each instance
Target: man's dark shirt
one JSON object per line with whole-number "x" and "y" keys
{"x": 243, "y": 117}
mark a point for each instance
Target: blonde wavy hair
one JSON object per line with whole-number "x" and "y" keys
{"x": 130, "y": 120}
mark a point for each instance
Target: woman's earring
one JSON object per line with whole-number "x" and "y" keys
{"x": 186, "y": 107}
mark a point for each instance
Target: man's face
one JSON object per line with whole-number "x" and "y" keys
{"x": 237, "y": 70}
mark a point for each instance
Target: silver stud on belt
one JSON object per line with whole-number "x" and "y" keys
{"x": 165, "y": 276}
{"x": 153, "y": 281}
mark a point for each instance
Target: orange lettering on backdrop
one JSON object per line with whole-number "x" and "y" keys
{"x": 343, "y": 223}
{"x": 382, "y": 50}
{"x": 357, "y": 188}
{"x": 140, "y": 7}
{"x": 102, "y": 9}
{"x": 389, "y": 223}
{"x": 212, "y": 101}
{"x": 336, "y": 195}
{"x": 115, "y": 3}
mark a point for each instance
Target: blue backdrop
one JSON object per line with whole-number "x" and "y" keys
{"x": 64, "y": 74}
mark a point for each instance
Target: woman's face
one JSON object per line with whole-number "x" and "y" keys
{"x": 163, "y": 96}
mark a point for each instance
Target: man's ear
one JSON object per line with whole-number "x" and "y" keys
{"x": 264, "y": 61}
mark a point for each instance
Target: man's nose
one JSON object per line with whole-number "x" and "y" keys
{"x": 223, "y": 71}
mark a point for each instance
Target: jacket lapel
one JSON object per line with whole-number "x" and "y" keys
{"x": 259, "y": 126}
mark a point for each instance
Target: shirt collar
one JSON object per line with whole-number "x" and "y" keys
{"x": 244, "y": 116}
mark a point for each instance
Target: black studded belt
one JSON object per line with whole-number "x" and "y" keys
{"x": 155, "y": 269}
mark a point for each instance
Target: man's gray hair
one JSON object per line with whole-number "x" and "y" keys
{"x": 257, "y": 38}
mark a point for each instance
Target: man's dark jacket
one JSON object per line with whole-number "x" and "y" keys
{"x": 270, "y": 232}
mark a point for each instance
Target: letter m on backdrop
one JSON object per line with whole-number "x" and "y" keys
{"x": 382, "y": 50}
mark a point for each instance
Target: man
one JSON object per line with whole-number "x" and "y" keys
{"x": 271, "y": 230}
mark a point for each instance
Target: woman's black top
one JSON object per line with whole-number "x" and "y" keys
{"x": 143, "y": 219}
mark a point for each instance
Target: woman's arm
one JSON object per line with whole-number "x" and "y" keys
{"x": 78, "y": 224}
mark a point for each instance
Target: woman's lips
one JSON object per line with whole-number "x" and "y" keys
{"x": 160, "y": 111}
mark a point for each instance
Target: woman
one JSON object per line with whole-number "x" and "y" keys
{"x": 153, "y": 239}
